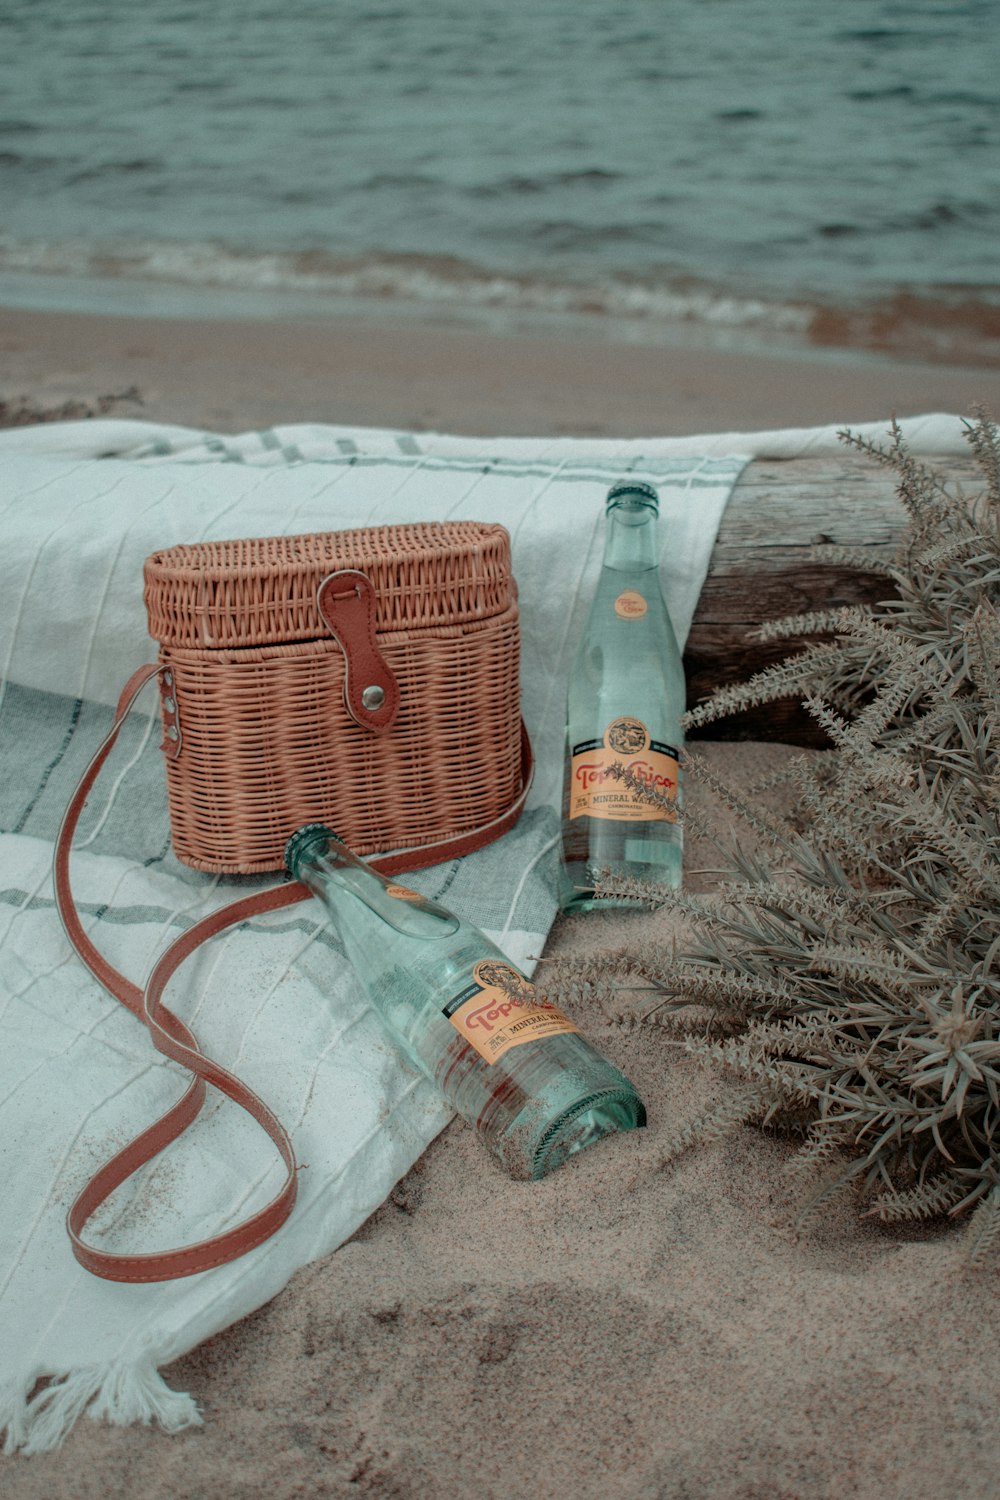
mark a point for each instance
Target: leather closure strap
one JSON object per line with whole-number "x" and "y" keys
{"x": 346, "y": 601}
{"x": 175, "y": 1040}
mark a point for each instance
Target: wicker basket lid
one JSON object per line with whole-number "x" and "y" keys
{"x": 262, "y": 590}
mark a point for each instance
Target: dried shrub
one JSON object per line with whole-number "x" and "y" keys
{"x": 844, "y": 976}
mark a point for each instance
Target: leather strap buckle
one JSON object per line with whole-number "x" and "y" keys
{"x": 346, "y": 601}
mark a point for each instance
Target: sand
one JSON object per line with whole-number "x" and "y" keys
{"x": 236, "y": 374}
{"x": 623, "y": 1328}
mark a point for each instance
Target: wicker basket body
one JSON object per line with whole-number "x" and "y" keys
{"x": 262, "y": 740}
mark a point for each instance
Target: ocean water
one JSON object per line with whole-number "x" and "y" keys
{"x": 830, "y": 172}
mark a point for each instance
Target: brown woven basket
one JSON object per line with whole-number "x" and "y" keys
{"x": 264, "y": 698}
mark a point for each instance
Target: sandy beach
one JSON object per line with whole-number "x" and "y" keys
{"x": 235, "y": 374}
{"x": 622, "y": 1328}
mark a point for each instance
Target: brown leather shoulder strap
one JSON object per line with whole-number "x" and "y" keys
{"x": 172, "y": 1037}
{"x": 175, "y": 1040}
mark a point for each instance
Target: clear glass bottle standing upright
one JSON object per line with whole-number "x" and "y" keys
{"x": 510, "y": 1063}
{"x": 625, "y": 701}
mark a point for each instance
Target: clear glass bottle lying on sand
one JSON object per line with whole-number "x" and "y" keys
{"x": 624, "y": 705}
{"x": 509, "y": 1062}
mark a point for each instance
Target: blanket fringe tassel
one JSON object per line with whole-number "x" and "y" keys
{"x": 117, "y": 1393}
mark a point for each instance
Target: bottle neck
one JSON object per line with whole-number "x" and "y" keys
{"x": 630, "y": 544}
{"x": 336, "y": 875}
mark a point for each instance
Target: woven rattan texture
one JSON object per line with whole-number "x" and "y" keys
{"x": 266, "y": 745}
{"x": 262, "y": 590}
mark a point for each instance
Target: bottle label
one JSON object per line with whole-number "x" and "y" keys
{"x": 596, "y": 793}
{"x": 402, "y": 893}
{"x": 630, "y": 605}
{"x": 500, "y": 1010}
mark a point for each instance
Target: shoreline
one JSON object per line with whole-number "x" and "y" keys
{"x": 427, "y": 369}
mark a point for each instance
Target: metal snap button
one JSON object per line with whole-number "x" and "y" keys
{"x": 373, "y": 696}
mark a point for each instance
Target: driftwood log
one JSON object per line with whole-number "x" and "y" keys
{"x": 763, "y": 568}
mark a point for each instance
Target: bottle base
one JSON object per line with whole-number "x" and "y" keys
{"x": 577, "y": 1127}
{"x": 587, "y": 1121}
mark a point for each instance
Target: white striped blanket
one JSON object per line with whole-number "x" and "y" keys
{"x": 82, "y": 505}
